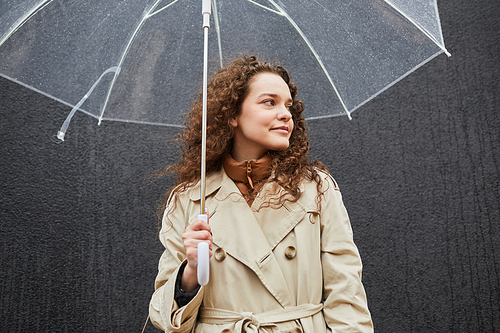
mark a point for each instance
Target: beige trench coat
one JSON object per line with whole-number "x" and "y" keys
{"x": 292, "y": 269}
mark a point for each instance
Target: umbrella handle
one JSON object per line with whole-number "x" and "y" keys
{"x": 203, "y": 268}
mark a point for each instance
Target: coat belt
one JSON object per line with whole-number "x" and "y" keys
{"x": 247, "y": 322}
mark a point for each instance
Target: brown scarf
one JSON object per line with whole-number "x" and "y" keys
{"x": 248, "y": 175}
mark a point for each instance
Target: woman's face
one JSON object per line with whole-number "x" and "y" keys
{"x": 264, "y": 122}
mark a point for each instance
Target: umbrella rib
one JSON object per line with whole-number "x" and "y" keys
{"x": 316, "y": 55}
{"x": 267, "y": 8}
{"x": 323, "y": 117}
{"x": 64, "y": 127}
{"x": 419, "y": 26}
{"x": 439, "y": 27}
{"x": 125, "y": 52}
{"x": 142, "y": 122}
{"x": 159, "y": 10}
{"x": 24, "y": 19}
{"x": 217, "y": 30}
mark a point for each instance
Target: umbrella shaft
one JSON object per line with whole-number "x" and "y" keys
{"x": 204, "y": 122}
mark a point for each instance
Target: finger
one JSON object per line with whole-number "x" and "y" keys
{"x": 200, "y": 225}
{"x": 196, "y": 236}
{"x": 202, "y": 235}
{"x": 192, "y": 255}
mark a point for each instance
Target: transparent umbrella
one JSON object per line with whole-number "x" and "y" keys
{"x": 141, "y": 60}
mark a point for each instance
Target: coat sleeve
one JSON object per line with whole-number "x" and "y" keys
{"x": 164, "y": 312}
{"x": 345, "y": 304}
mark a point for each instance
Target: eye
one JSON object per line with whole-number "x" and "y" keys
{"x": 289, "y": 108}
{"x": 269, "y": 102}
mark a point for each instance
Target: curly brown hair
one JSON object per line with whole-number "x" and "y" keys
{"x": 226, "y": 91}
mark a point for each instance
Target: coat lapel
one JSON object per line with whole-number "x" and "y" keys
{"x": 250, "y": 236}
{"x": 276, "y": 223}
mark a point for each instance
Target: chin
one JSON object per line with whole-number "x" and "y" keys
{"x": 280, "y": 147}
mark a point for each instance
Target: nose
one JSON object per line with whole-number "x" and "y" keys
{"x": 284, "y": 114}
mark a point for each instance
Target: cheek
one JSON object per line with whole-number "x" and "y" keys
{"x": 263, "y": 121}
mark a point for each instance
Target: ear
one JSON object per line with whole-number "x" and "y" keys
{"x": 233, "y": 122}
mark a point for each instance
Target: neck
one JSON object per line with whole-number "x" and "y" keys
{"x": 241, "y": 156}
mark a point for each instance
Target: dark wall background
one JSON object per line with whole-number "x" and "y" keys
{"x": 418, "y": 168}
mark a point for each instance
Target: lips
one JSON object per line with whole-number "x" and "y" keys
{"x": 284, "y": 129}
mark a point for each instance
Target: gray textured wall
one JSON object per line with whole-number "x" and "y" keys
{"x": 418, "y": 168}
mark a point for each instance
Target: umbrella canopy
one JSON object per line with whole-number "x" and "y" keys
{"x": 141, "y": 60}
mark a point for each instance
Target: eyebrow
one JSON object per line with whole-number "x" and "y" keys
{"x": 273, "y": 95}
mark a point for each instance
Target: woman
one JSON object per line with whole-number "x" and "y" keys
{"x": 281, "y": 245}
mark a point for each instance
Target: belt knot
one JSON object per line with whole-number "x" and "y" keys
{"x": 249, "y": 322}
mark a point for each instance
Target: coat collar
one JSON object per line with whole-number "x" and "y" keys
{"x": 213, "y": 182}
{"x": 249, "y": 235}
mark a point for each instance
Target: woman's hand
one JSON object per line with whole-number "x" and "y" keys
{"x": 198, "y": 231}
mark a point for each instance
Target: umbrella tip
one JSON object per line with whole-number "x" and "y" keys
{"x": 60, "y": 136}
{"x": 56, "y": 139}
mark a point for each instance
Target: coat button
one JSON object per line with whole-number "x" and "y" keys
{"x": 290, "y": 252}
{"x": 226, "y": 330}
{"x": 220, "y": 254}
